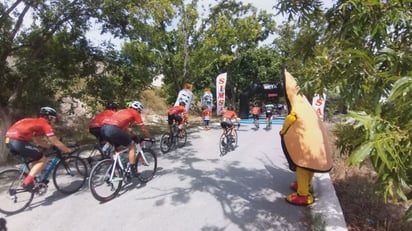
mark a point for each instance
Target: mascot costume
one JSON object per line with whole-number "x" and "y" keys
{"x": 185, "y": 95}
{"x": 207, "y": 99}
{"x": 304, "y": 142}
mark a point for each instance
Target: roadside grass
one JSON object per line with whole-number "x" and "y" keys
{"x": 364, "y": 209}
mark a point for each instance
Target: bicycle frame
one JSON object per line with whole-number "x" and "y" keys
{"x": 118, "y": 154}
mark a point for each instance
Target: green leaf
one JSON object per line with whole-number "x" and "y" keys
{"x": 360, "y": 154}
{"x": 401, "y": 87}
{"x": 408, "y": 214}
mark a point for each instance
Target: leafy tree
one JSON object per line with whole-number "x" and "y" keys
{"x": 365, "y": 57}
{"x": 227, "y": 35}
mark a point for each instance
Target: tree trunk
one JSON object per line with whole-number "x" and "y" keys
{"x": 5, "y": 122}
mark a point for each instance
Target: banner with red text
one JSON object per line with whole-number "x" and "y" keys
{"x": 220, "y": 93}
{"x": 318, "y": 103}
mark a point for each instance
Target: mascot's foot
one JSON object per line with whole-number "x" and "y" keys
{"x": 294, "y": 187}
{"x": 296, "y": 199}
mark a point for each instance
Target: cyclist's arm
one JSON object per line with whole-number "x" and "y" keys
{"x": 56, "y": 142}
{"x": 145, "y": 131}
{"x": 39, "y": 141}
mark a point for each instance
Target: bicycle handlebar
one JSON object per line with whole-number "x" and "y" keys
{"x": 55, "y": 151}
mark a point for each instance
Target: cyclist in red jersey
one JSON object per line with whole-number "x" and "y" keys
{"x": 97, "y": 122}
{"x": 256, "y": 113}
{"x": 116, "y": 129}
{"x": 227, "y": 117}
{"x": 19, "y": 139}
{"x": 177, "y": 113}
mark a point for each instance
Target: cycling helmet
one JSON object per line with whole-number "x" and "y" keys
{"x": 48, "y": 111}
{"x": 111, "y": 105}
{"x": 136, "y": 105}
{"x": 231, "y": 108}
{"x": 182, "y": 103}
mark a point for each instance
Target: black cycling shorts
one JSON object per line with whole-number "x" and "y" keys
{"x": 269, "y": 114}
{"x": 115, "y": 135}
{"x": 226, "y": 124}
{"x": 175, "y": 117}
{"x": 25, "y": 149}
{"x": 256, "y": 117}
{"x": 95, "y": 132}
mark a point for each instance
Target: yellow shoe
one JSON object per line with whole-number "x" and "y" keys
{"x": 296, "y": 199}
{"x": 294, "y": 187}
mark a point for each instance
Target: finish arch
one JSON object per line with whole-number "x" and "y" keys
{"x": 258, "y": 88}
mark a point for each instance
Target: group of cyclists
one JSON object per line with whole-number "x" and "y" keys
{"x": 269, "y": 110}
{"x": 26, "y": 136}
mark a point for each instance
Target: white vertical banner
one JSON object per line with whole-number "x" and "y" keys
{"x": 220, "y": 93}
{"x": 318, "y": 104}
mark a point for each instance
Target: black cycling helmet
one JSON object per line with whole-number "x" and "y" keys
{"x": 182, "y": 103}
{"x": 231, "y": 108}
{"x": 111, "y": 105}
{"x": 48, "y": 111}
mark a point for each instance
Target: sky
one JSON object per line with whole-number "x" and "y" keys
{"x": 96, "y": 38}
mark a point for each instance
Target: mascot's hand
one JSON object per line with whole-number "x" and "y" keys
{"x": 289, "y": 120}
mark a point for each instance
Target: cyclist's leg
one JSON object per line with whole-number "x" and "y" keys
{"x": 179, "y": 121}
{"x": 118, "y": 137}
{"x": 31, "y": 153}
{"x": 170, "y": 121}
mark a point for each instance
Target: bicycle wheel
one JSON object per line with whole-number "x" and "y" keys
{"x": 146, "y": 165}
{"x": 91, "y": 154}
{"x": 235, "y": 137}
{"x": 165, "y": 143}
{"x": 223, "y": 144}
{"x": 181, "y": 138}
{"x": 13, "y": 197}
{"x": 102, "y": 186}
{"x": 70, "y": 174}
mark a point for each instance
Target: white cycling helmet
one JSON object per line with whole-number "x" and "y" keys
{"x": 136, "y": 105}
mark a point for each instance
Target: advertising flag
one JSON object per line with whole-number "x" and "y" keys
{"x": 318, "y": 103}
{"x": 220, "y": 93}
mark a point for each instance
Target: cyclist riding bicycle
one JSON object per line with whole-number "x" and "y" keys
{"x": 25, "y": 138}
{"x": 255, "y": 113}
{"x": 97, "y": 122}
{"x": 227, "y": 117}
{"x": 116, "y": 130}
{"x": 269, "y": 108}
{"x": 178, "y": 114}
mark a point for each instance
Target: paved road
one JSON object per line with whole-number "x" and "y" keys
{"x": 195, "y": 189}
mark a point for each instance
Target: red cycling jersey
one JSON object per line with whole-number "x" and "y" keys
{"x": 177, "y": 110}
{"x": 123, "y": 118}
{"x": 229, "y": 115}
{"x": 26, "y": 128}
{"x": 256, "y": 110}
{"x": 97, "y": 121}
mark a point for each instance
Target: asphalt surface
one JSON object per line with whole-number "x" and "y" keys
{"x": 197, "y": 189}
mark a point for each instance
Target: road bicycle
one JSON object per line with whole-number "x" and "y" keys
{"x": 227, "y": 141}
{"x": 107, "y": 176}
{"x": 68, "y": 171}
{"x": 93, "y": 153}
{"x": 176, "y": 138}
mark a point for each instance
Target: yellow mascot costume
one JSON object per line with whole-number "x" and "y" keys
{"x": 304, "y": 142}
